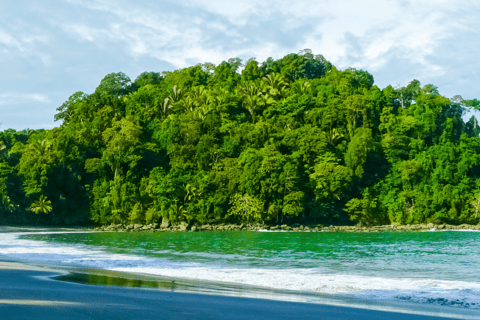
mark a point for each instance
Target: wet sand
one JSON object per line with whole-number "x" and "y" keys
{"x": 29, "y": 292}
{"x": 32, "y": 290}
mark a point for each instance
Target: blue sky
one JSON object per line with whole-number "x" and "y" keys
{"x": 50, "y": 49}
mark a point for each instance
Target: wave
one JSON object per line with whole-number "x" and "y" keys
{"x": 432, "y": 291}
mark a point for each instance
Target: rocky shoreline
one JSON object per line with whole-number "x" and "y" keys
{"x": 185, "y": 227}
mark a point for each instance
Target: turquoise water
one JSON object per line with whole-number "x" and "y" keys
{"x": 424, "y": 267}
{"x": 437, "y": 255}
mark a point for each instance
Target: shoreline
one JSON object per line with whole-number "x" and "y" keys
{"x": 73, "y": 297}
{"x": 146, "y": 282}
{"x": 184, "y": 227}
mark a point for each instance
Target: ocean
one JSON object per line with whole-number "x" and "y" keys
{"x": 438, "y": 269}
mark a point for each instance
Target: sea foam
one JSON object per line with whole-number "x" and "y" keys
{"x": 454, "y": 293}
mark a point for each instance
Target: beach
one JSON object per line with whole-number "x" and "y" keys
{"x": 29, "y": 292}
{"x": 58, "y": 291}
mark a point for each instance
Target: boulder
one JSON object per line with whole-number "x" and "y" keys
{"x": 165, "y": 223}
{"x": 182, "y": 226}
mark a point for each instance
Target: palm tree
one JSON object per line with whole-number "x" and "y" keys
{"x": 251, "y": 98}
{"x": 176, "y": 94}
{"x": 42, "y": 205}
{"x": 2, "y": 147}
{"x": 197, "y": 92}
{"x": 39, "y": 147}
{"x": 275, "y": 84}
{"x": 165, "y": 105}
{"x": 301, "y": 87}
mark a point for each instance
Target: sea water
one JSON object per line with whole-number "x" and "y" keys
{"x": 436, "y": 268}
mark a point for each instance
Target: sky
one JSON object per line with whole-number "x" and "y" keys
{"x": 51, "y": 49}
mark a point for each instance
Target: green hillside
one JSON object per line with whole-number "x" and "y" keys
{"x": 293, "y": 137}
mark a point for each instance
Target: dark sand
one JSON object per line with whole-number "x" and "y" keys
{"x": 30, "y": 291}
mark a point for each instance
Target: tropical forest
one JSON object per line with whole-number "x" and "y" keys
{"x": 247, "y": 141}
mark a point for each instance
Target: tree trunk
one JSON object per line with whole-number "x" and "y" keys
{"x": 38, "y": 218}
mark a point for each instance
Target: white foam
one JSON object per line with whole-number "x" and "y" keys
{"x": 307, "y": 280}
{"x": 462, "y": 230}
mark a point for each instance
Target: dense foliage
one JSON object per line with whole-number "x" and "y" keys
{"x": 293, "y": 137}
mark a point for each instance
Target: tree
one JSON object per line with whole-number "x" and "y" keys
{"x": 121, "y": 140}
{"x": 115, "y": 84}
{"x": 146, "y": 78}
{"x": 252, "y": 71}
{"x": 67, "y": 110}
{"x": 275, "y": 85}
{"x": 42, "y": 205}
{"x": 475, "y": 204}
{"x": 364, "y": 210}
{"x": 246, "y": 207}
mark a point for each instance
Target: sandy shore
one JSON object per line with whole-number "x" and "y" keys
{"x": 31, "y": 290}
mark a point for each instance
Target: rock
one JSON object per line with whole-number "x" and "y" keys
{"x": 194, "y": 229}
{"x": 430, "y": 225}
{"x": 183, "y": 226}
{"x": 137, "y": 226}
{"x": 165, "y": 224}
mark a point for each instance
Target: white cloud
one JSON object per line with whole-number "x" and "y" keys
{"x": 17, "y": 98}
{"x": 379, "y": 26}
{"x": 24, "y": 44}
{"x": 8, "y": 40}
{"x": 434, "y": 41}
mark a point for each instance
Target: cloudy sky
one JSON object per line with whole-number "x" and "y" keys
{"x": 50, "y": 49}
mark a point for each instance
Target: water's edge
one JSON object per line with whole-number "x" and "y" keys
{"x": 92, "y": 276}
